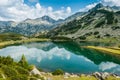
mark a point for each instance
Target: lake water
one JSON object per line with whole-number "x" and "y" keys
{"x": 67, "y": 56}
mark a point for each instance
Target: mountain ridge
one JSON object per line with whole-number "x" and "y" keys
{"x": 99, "y": 23}
{"x": 28, "y": 26}
{"x": 45, "y": 23}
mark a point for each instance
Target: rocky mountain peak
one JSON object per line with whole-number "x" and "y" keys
{"x": 27, "y": 19}
{"x": 97, "y": 7}
{"x": 49, "y": 19}
{"x": 108, "y": 8}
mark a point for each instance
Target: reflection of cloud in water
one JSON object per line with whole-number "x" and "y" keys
{"x": 34, "y": 53}
{"x": 117, "y": 70}
{"x": 107, "y": 65}
{"x": 43, "y": 45}
{"x": 85, "y": 59}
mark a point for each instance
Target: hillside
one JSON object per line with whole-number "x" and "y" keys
{"x": 10, "y": 70}
{"x": 100, "y": 23}
{"x": 11, "y": 36}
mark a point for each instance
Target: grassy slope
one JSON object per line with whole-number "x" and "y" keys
{"x": 10, "y": 70}
{"x": 109, "y": 50}
{"x": 13, "y": 38}
{"x": 10, "y": 36}
{"x": 61, "y": 77}
{"x": 7, "y": 43}
{"x": 99, "y": 25}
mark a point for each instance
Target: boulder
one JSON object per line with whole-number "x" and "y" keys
{"x": 98, "y": 75}
{"x": 105, "y": 75}
{"x": 35, "y": 71}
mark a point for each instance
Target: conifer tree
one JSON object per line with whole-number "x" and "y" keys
{"x": 23, "y": 62}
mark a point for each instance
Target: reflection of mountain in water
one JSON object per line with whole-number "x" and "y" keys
{"x": 46, "y": 46}
{"x": 67, "y": 56}
{"x": 95, "y": 56}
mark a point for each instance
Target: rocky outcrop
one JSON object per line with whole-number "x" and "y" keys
{"x": 35, "y": 71}
{"x": 103, "y": 76}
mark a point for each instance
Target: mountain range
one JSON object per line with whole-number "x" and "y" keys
{"x": 99, "y": 22}
{"x": 29, "y": 26}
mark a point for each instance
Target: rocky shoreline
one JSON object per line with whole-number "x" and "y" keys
{"x": 67, "y": 76}
{"x": 105, "y": 75}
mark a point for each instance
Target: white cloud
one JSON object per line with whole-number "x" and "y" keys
{"x": 7, "y": 2}
{"x": 34, "y": 53}
{"x": 17, "y": 10}
{"x": 90, "y": 6}
{"x": 50, "y": 9}
{"x": 104, "y": 2}
{"x": 111, "y": 2}
{"x": 68, "y": 9}
{"x": 107, "y": 65}
{"x": 38, "y": 6}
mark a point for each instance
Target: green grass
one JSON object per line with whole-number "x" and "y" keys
{"x": 105, "y": 49}
{"x": 7, "y": 43}
{"x": 104, "y": 39}
{"x": 14, "y": 70}
{"x": 112, "y": 78}
{"x": 10, "y": 36}
{"x": 61, "y": 77}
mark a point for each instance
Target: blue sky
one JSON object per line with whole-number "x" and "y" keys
{"x": 75, "y": 5}
{"x": 19, "y": 10}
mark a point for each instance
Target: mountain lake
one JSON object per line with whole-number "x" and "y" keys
{"x": 68, "y": 56}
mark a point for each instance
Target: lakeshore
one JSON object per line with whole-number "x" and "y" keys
{"x": 12, "y": 42}
{"x": 21, "y": 70}
{"x": 69, "y": 76}
{"x": 92, "y": 76}
{"x": 111, "y": 50}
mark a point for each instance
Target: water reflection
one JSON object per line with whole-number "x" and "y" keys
{"x": 94, "y": 55}
{"x": 68, "y": 56}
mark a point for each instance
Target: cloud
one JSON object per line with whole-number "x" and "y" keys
{"x": 38, "y": 6}
{"x": 111, "y": 2}
{"x": 17, "y": 10}
{"x": 35, "y": 53}
{"x": 107, "y": 65}
{"x": 90, "y": 6}
{"x": 104, "y": 2}
{"x": 50, "y": 9}
{"x": 68, "y": 9}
